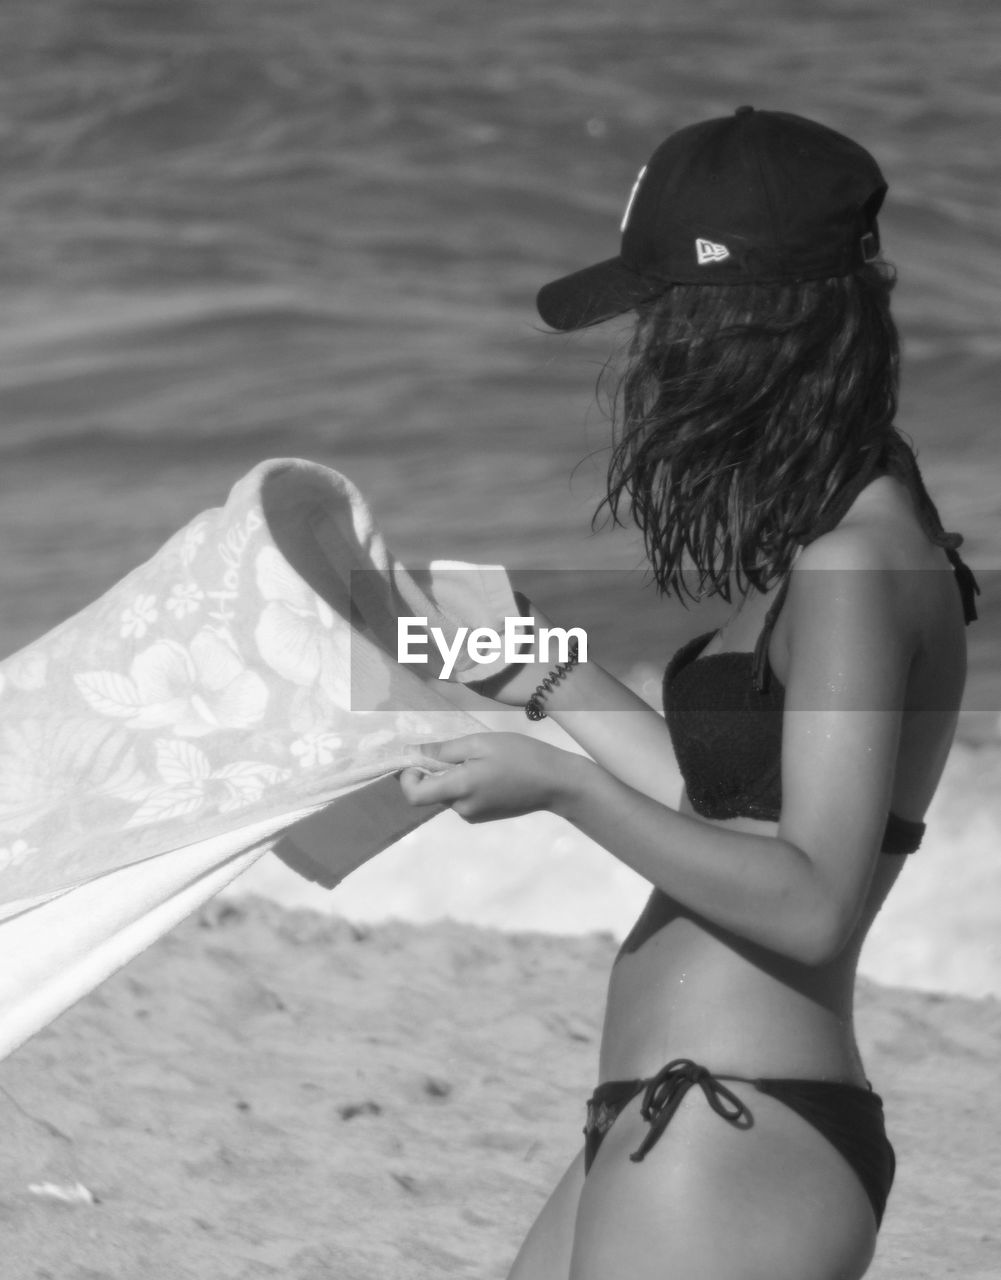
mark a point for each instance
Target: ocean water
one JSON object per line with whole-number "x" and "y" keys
{"x": 232, "y": 230}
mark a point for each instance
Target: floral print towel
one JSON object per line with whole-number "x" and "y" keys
{"x": 246, "y": 671}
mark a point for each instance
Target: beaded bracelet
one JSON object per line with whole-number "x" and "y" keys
{"x": 533, "y": 707}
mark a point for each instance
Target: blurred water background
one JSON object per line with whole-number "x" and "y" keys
{"x": 232, "y": 230}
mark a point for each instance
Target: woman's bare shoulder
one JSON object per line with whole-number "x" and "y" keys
{"x": 881, "y": 550}
{"x": 880, "y": 564}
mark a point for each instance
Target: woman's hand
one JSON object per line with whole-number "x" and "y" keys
{"x": 496, "y": 775}
{"x": 514, "y": 683}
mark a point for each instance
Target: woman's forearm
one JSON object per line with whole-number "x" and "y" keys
{"x": 759, "y": 887}
{"x": 617, "y": 729}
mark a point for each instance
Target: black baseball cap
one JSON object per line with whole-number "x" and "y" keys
{"x": 755, "y": 196}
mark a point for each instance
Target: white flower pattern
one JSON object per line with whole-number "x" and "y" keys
{"x": 139, "y": 617}
{"x": 314, "y": 749}
{"x": 27, "y": 670}
{"x": 199, "y": 689}
{"x": 184, "y": 598}
{"x": 209, "y": 688}
{"x": 14, "y": 854}
{"x": 297, "y": 634}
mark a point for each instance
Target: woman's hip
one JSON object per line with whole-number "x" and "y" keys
{"x": 847, "y": 1117}
{"x": 732, "y": 1176}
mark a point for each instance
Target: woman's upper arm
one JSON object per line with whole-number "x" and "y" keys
{"x": 851, "y": 648}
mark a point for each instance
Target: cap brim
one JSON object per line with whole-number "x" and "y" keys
{"x": 597, "y": 293}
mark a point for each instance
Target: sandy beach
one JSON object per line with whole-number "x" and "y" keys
{"x": 269, "y": 1092}
{"x": 239, "y": 230}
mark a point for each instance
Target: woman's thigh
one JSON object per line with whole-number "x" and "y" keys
{"x": 545, "y": 1254}
{"x": 772, "y": 1202}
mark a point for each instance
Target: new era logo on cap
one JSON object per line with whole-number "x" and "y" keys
{"x": 709, "y": 251}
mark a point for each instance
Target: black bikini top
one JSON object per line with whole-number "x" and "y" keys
{"x": 724, "y": 710}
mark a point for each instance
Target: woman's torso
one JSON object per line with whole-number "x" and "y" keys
{"x": 691, "y": 989}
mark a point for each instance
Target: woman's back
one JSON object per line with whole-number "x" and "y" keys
{"x": 931, "y": 606}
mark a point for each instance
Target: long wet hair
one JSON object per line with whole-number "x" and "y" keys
{"x": 742, "y": 410}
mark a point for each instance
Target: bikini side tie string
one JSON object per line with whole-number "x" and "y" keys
{"x": 969, "y": 587}
{"x": 665, "y": 1091}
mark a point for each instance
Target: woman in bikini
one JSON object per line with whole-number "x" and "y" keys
{"x": 733, "y": 1133}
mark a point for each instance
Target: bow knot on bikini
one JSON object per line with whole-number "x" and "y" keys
{"x": 665, "y": 1091}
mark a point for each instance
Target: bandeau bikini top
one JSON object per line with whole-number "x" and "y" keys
{"x": 724, "y": 710}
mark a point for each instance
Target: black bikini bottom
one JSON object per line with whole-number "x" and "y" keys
{"x": 849, "y": 1117}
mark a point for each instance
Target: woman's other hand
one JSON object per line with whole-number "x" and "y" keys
{"x": 514, "y": 683}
